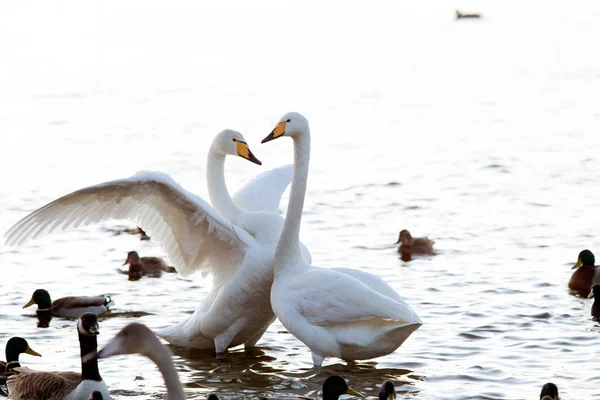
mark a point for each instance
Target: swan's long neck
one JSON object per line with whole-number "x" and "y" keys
{"x": 162, "y": 359}
{"x": 217, "y": 190}
{"x": 288, "y": 253}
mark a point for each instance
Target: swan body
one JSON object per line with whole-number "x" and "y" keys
{"x": 335, "y": 313}
{"x": 236, "y": 246}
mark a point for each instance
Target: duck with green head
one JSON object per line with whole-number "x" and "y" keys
{"x": 335, "y": 386}
{"x": 14, "y": 348}
{"x": 68, "y": 307}
{"x": 583, "y": 277}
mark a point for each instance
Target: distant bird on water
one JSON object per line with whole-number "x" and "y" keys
{"x": 582, "y": 279}
{"x": 460, "y": 15}
{"x": 549, "y": 392}
{"x": 137, "y": 231}
{"x": 68, "y": 307}
{"x": 146, "y": 266}
{"x": 409, "y": 245}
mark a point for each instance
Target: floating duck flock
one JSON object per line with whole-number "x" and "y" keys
{"x": 260, "y": 270}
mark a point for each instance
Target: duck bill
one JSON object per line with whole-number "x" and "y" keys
{"x": 391, "y": 397}
{"x": 31, "y": 302}
{"x": 113, "y": 348}
{"x": 32, "y": 352}
{"x": 577, "y": 264}
{"x": 244, "y": 152}
{"x": 353, "y": 392}
{"x": 275, "y": 133}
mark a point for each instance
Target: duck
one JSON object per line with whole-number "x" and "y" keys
{"x": 68, "y": 307}
{"x": 333, "y": 313}
{"x": 234, "y": 240}
{"x": 549, "y": 392}
{"x": 27, "y": 384}
{"x": 137, "y": 338}
{"x": 146, "y": 266}
{"x": 14, "y": 347}
{"x": 460, "y": 15}
{"x": 387, "y": 391}
{"x": 585, "y": 270}
{"x": 410, "y": 245}
{"x": 336, "y": 386}
{"x": 137, "y": 231}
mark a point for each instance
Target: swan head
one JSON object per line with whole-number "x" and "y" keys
{"x": 292, "y": 124}
{"x": 135, "y": 338}
{"x": 549, "y": 392}
{"x": 232, "y": 143}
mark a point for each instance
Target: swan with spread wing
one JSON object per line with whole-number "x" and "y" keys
{"x": 235, "y": 245}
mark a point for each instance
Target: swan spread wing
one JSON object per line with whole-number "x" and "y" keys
{"x": 192, "y": 233}
{"x": 264, "y": 192}
{"x": 330, "y": 297}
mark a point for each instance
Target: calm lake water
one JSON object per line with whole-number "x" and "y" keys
{"x": 480, "y": 134}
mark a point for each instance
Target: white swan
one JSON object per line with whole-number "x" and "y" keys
{"x": 239, "y": 252}
{"x": 334, "y": 314}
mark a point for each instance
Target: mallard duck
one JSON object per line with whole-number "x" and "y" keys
{"x": 410, "y": 245}
{"x": 387, "y": 391}
{"x": 68, "y": 307}
{"x": 26, "y": 384}
{"x": 137, "y": 231}
{"x": 549, "y": 392}
{"x": 146, "y": 266}
{"x": 582, "y": 278}
{"x": 14, "y": 347}
{"x": 460, "y": 15}
{"x": 335, "y": 386}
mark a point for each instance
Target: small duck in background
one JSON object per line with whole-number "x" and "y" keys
{"x": 582, "y": 279}
{"x": 409, "y": 245}
{"x": 549, "y": 392}
{"x": 146, "y": 266}
{"x": 387, "y": 391}
{"x": 68, "y": 307}
{"x": 460, "y": 15}
{"x": 137, "y": 231}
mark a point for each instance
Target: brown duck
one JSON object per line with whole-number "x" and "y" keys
{"x": 582, "y": 279}
{"x": 410, "y": 245}
{"x": 146, "y": 266}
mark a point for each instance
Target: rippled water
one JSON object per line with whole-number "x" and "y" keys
{"x": 482, "y": 135}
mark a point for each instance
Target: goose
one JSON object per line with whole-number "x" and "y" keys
{"x": 68, "y": 307}
{"x": 27, "y": 384}
{"x": 387, "y": 391}
{"x": 332, "y": 313}
{"x": 585, "y": 270}
{"x": 410, "y": 245}
{"x": 549, "y": 392}
{"x": 235, "y": 244}
{"x": 146, "y": 266}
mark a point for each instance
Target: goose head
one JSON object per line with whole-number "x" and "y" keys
{"x": 232, "y": 143}
{"x": 292, "y": 124}
{"x": 549, "y": 392}
{"x": 88, "y": 324}
{"x": 586, "y": 258}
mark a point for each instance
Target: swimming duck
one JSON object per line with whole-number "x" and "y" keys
{"x": 146, "y": 266}
{"x": 14, "y": 347}
{"x": 387, "y": 391}
{"x": 68, "y": 307}
{"x": 27, "y": 384}
{"x": 137, "y": 231}
{"x": 335, "y": 386}
{"x": 460, "y": 15}
{"x": 137, "y": 338}
{"x": 582, "y": 278}
{"x": 549, "y": 392}
{"x": 409, "y": 245}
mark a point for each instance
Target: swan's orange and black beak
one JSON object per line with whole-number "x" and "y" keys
{"x": 244, "y": 152}
{"x": 277, "y": 132}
